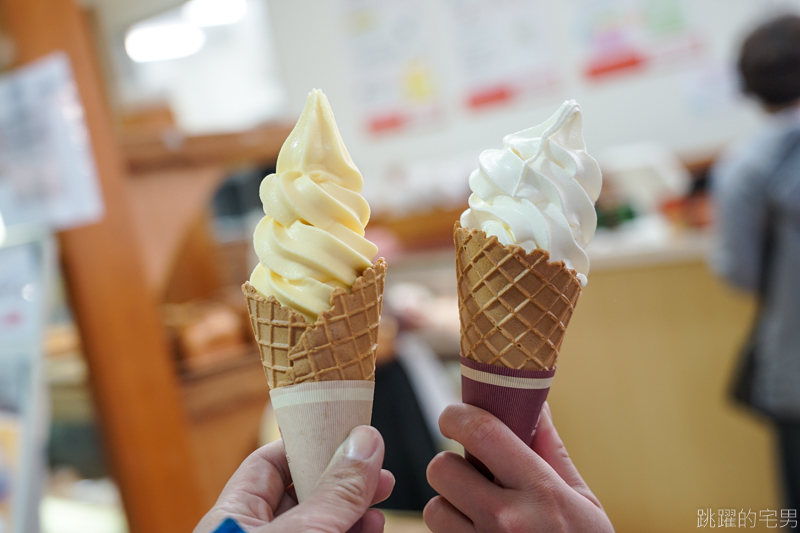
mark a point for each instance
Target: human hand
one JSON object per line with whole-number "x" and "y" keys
{"x": 257, "y": 497}
{"x": 535, "y": 490}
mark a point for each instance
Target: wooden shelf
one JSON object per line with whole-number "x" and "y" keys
{"x": 224, "y": 404}
{"x": 224, "y": 386}
{"x": 421, "y": 231}
{"x": 171, "y": 149}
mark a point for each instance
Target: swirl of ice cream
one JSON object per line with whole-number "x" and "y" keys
{"x": 312, "y": 237}
{"x": 539, "y": 190}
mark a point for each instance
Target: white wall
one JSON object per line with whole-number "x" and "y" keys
{"x": 691, "y": 107}
{"x": 231, "y": 84}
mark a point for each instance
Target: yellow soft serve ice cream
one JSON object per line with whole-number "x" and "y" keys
{"x": 312, "y": 237}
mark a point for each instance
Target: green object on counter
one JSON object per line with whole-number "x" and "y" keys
{"x": 613, "y": 217}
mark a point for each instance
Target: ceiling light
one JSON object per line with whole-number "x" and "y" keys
{"x": 157, "y": 42}
{"x": 213, "y": 12}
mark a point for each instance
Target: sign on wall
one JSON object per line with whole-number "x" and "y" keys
{"x": 505, "y": 50}
{"x": 620, "y": 36}
{"x": 47, "y": 171}
{"x": 393, "y": 73}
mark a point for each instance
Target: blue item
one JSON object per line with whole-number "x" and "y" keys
{"x": 229, "y": 526}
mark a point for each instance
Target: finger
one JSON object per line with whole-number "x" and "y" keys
{"x": 494, "y": 444}
{"x": 346, "y": 488}
{"x": 291, "y": 491}
{"x": 258, "y": 484}
{"x": 462, "y": 486}
{"x": 373, "y": 521}
{"x": 385, "y": 487}
{"x": 441, "y": 517}
{"x": 287, "y": 502}
{"x": 549, "y": 446}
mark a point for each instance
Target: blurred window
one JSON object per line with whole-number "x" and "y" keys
{"x": 212, "y": 62}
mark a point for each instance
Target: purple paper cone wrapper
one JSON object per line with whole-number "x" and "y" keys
{"x": 514, "y": 396}
{"x": 314, "y": 419}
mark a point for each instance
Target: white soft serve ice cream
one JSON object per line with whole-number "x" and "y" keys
{"x": 539, "y": 190}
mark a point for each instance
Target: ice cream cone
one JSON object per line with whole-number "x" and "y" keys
{"x": 340, "y": 345}
{"x": 515, "y": 300}
{"x": 314, "y": 419}
{"x": 321, "y": 376}
{"x": 514, "y": 306}
{"x": 315, "y": 297}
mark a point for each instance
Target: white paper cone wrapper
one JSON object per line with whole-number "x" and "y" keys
{"x": 314, "y": 419}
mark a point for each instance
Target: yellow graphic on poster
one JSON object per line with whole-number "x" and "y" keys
{"x": 390, "y": 47}
{"x": 10, "y": 433}
{"x": 418, "y": 82}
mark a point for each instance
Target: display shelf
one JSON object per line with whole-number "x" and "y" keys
{"x": 171, "y": 149}
{"x": 225, "y": 404}
{"x": 223, "y": 386}
{"x": 425, "y": 230}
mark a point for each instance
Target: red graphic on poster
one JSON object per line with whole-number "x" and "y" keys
{"x": 627, "y": 36}
{"x": 505, "y": 50}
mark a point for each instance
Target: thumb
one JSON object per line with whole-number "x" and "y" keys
{"x": 548, "y": 445}
{"x": 346, "y": 488}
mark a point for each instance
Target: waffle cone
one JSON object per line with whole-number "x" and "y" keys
{"x": 514, "y": 306}
{"x": 340, "y": 345}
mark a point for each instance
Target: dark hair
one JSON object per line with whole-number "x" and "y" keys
{"x": 769, "y": 61}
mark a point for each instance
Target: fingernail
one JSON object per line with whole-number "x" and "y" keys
{"x": 361, "y": 444}
{"x": 547, "y": 410}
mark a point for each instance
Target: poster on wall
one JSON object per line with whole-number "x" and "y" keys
{"x": 390, "y": 46}
{"x": 47, "y": 172}
{"x": 504, "y": 49}
{"x": 623, "y": 36}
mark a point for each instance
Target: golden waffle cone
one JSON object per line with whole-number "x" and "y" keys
{"x": 340, "y": 345}
{"x": 514, "y": 306}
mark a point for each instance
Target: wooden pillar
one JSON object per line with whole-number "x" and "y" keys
{"x": 133, "y": 377}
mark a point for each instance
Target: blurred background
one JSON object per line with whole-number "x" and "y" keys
{"x": 133, "y": 138}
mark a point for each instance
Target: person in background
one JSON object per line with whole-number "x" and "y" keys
{"x": 756, "y": 193}
{"x": 535, "y": 490}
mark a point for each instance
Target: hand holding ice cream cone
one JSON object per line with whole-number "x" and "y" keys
{"x": 520, "y": 265}
{"x": 256, "y": 497}
{"x": 315, "y": 297}
{"x": 537, "y": 489}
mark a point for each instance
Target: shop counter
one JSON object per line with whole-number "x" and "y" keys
{"x": 640, "y": 397}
